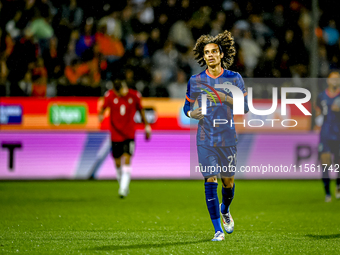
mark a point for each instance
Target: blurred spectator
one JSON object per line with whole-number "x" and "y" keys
{"x": 112, "y": 50}
{"x": 157, "y": 87}
{"x": 71, "y": 49}
{"x": 129, "y": 78}
{"x": 82, "y": 79}
{"x": 232, "y": 11}
{"x": 164, "y": 25}
{"x": 334, "y": 63}
{"x": 11, "y": 26}
{"x": 23, "y": 53}
{"x": 127, "y": 31}
{"x": 186, "y": 10}
{"x": 200, "y": 22}
{"x": 267, "y": 66}
{"x": 41, "y": 32}
{"x": 261, "y": 31}
{"x": 71, "y": 15}
{"x": 86, "y": 41}
{"x": 138, "y": 63}
{"x": 294, "y": 47}
{"x": 251, "y": 53}
{"x": 331, "y": 38}
{"x": 113, "y": 25}
{"x": 6, "y": 44}
{"x": 146, "y": 15}
{"x": 323, "y": 62}
{"x": 165, "y": 61}
{"x": 217, "y": 25}
{"x": 26, "y": 84}
{"x": 171, "y": 10}
{"x": 178, "y": 88}
{"x": 68, "y": 19}
{"x": 4, "y": 83}
{"x": 27, "y": 14}
{"x": 283, "y": 64}
{"x": 180, "y": 34}
{"x": 154, "y": 42}
{"x": 277, "y": 20}
{"x": 39, "y": 78}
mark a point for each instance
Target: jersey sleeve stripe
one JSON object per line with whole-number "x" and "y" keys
{"x": 190, "y": 100}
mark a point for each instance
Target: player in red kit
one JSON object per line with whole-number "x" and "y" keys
{"x": 123, "y": 104}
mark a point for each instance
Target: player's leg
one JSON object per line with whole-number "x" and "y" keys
{"x": 126, "y": 168}
{"x": 325, "y": 159}
{"x": 228, "y": 159}
{"x": 337, "y": 168}
{"x": 211, "y": 199}
{"x": 207, "y": 159}
{"x": 228, "y": 191}
{"x": 117, "y": 152}
{"x": 118, "y": 163}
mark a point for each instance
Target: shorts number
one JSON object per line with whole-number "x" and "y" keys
{"x": 122, "y": 110}
{"x": 231, "y": 159}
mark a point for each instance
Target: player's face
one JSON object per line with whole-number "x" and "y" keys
{"x": 212, "y": 55}
{"x": 334, "y": 80}
{"x": 123, "y": 90}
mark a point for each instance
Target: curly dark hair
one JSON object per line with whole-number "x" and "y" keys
{"x": 224, "y": 40}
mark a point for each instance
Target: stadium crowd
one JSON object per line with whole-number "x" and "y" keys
{"x": 74, "y": 48}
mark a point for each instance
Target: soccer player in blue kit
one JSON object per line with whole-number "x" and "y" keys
{"x": 328, "y": 104}
{"x": 216, "y": 144}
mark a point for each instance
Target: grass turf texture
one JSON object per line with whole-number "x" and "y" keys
{"x": 165, "y": 217}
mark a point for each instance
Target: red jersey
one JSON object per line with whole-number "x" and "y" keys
{"x": 122, "y": 111}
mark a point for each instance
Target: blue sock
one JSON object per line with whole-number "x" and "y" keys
{"x": 211, "y": 199}
{"x": 326, "y": 182}
{"x": 227, "y": 197}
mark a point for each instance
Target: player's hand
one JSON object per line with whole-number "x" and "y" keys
{"x": 101, "y": 117}
{"x": 147, "y": 132}
{"x": 197, "y": 114}
{"x": 335, "y": 108}
{"x": 221, "y": 95}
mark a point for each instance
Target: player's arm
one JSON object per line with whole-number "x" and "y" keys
{"x": 104, "y": 106}
{"x": 318, "y": 106}
{"x": 319, "y": 115}
{"x": 189, "y": 105}
{"x": 336, "y": 105}
{"x": 147, "y": 126}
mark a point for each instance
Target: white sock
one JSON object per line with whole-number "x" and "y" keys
{"x": 126, "y": 177}
{"x": 118, "y": 174}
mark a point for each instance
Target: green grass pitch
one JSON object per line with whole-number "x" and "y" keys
{"x": 165, "y": 217}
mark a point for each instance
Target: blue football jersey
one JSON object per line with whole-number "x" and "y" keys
{"x": 331, "y": 124}
{"x": 222, "y": 135}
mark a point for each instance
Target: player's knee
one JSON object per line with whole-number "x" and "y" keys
{"x": 211, "y": 179}
{"x": 127, "y": 159}
{"x": 325, "y": 158}
{"x": 228, "y": 182}
{"x": 118, "y": 163}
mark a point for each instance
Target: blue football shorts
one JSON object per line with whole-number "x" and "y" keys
{"x": 217, "y": 160}
{"x": 330, "y": 146}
